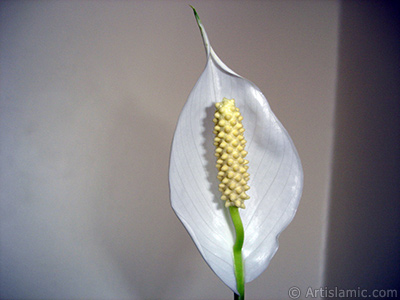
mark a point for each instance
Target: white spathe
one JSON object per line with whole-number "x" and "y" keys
{"x": 276, "y": 176}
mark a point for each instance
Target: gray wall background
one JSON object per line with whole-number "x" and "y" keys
{"x": 90, "y": 92}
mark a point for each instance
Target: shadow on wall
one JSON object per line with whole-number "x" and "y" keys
{"x": 363, "y": 237}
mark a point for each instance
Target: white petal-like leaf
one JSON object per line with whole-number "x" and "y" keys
{"x": 276, "y": 177}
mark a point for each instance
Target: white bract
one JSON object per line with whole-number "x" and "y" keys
{"x": 276, "y": 177}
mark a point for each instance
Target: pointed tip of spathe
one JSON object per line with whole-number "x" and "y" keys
{"x": 194, "y": 10}
{"x": 196, "y": 15}
{"x": 202, "y": 31}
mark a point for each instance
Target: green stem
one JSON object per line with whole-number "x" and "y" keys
{"x": 237, "y": 251}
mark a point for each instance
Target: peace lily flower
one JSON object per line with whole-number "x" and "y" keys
{"x": 237, "y": 243}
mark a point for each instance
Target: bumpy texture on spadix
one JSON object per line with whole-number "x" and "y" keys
{"x": 230, "y": 153}
{"x": 276, "y": 179}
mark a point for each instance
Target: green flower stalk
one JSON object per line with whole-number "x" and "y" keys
{"x": 237, "y": 251}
